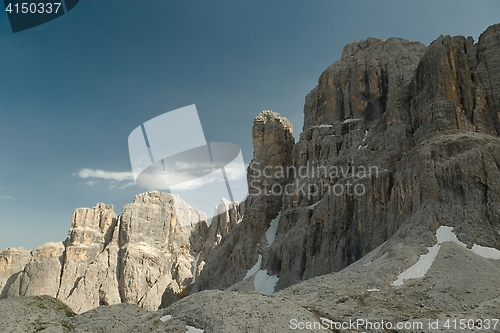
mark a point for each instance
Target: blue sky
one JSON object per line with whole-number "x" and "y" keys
{"x": 73, "y": 89}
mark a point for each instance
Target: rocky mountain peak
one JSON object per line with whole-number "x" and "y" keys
{"x": 351, "y": 49}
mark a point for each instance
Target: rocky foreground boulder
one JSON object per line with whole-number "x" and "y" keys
{"x": 386, "y": 209}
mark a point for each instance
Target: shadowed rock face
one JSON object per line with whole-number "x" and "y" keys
{"x": 238, "y": 251}
{"x": 424, "y": 120}
{"x": 456, "y": 86}
{"x": 368, "y": 80}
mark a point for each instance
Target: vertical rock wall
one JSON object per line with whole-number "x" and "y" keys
{"x": 149, "y": 256}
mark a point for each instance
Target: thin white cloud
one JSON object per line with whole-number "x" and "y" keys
{"x": 152, "y": 178}
{"x": 235, "y": 172}
{"x": 126, "y": 185}
{"x": 114, "y": 178}
{"x": 7, "y": 197}
{"x": 198, "y": 182}
{"x": 101, "y": 174}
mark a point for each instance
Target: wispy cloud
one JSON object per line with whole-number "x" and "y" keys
{"x": 7, "y": 197}
{"x": 101, "y": 174}
{"x": 232, "y": 173}
{"x": 113, "y": 178}
{"x": 155, "y": 176}
{"x": 113, "y": 186}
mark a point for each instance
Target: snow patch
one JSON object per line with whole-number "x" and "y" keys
{"x": 195, "y": 267}
{"x": 264, "y": 283}
{"x": 166, "y": 318}
{"x": 420, "y": 268}
{"x": 313, "y": 205}
{"x": 486, "y": 252}
{"x": 373, "y": 289}
{"x": 366, "y": 136}
{"x": 443, "y": 234}
{"x": 191, "y": 329}
{"x": 321, "y": 126}
{"x": 350, "y": 120}
{"x": 271, "y": 232}
{"x": 254, "y": 269}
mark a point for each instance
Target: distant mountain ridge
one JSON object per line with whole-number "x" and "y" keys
{"x": 148, "y": 256}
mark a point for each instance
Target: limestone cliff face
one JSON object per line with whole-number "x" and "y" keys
{"x": 12, "y": 262}
{"x": 463, "y": 94}
{"x": 239, "y": 250}
{"x": 414, "y": 130}
{"x": 149, "y": 256}
{"x": 91, "y": 231}
{"x": 432, "y": 133}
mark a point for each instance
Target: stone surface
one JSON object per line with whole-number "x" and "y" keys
{"x": 424, "y": 120}
{"x": 35, "y": 314}
{"x": 459, "y": 285}
{"x": 42, "y": 274}
{"x": 149, "y": 256}
{"x": 91, "y": 231}
{"x": 238, "y": 251}
{"x": 238, "y": 312}
{"x": 228, "y": 312}
{"x": 436, "y": 165}
{"x": 12, "y": 262}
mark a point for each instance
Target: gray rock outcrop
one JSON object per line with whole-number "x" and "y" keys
{"x": 398, "y": 140}
{"x": 227, "y": 313}
{"x": 42, "y": 274}
{"x": 149, "y": 256}
{"x": 239, "y": 250}
{"x": 12, "y": 262}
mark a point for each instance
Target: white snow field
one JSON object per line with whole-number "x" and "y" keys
{"x": 271, "y": 232}
{"x": 254, "y": 269}
{"x": 189, "y": 329}
{"x": 443, "y": 234}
